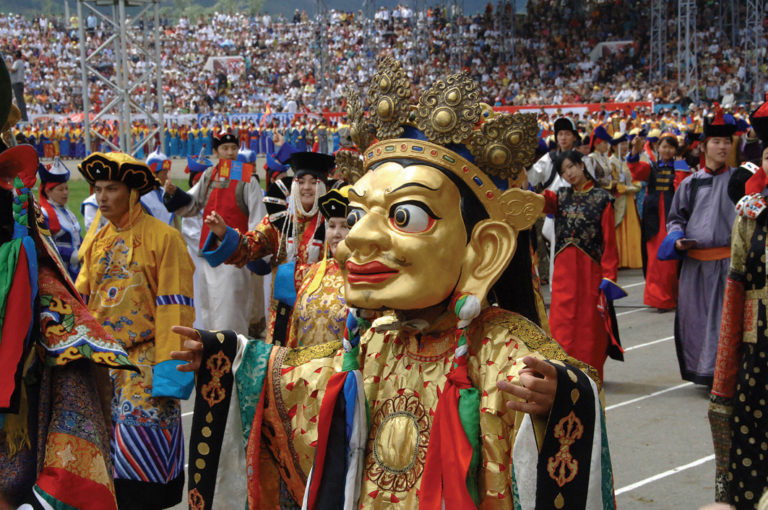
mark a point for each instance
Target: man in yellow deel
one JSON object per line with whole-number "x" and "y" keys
{"x": 136, "y": 279}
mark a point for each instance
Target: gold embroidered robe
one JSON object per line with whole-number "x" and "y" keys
{"x": 402, "y": 381}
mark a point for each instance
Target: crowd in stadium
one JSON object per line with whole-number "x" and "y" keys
{"x": 383, "y": 292}
{"x": 554, "y": 57}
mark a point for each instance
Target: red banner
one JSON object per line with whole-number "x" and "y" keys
{"x": 582, "y": 108}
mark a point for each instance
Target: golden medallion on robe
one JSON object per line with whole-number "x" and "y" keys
{"x": 398, "y": 443}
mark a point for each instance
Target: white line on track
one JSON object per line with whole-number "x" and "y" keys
{"x": 632, "y": 285}
{"x": 639, "y": 346}
{"x": 665, "y": 474}
{"x": 654, "y": 394}
{"x": 632, "y": 311}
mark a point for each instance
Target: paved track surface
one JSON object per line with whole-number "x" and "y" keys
{"x": 657, "y": 424}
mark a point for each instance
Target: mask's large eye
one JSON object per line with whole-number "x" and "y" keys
{"x": 411, "y": 217}
{"x": 354, "y": 215}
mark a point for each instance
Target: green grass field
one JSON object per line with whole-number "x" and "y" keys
{"x": 79, "y": 190}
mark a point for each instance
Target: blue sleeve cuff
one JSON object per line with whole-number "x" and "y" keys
{"x": 217, "y": 256}
{"x": 259, "y": 266}
{"x": 633, "y": 159}
{"x": 169, "y": 382}
{"x": 285, "y": 152}
{"x": 612, "y": 290}
{"x": 667, "y": 249}
{"x": 176, "y": 201}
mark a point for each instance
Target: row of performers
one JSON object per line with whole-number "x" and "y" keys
{"x": 583, "y": 217}
{"x": 180, "y": 141}
{"x": 662, "y": 176}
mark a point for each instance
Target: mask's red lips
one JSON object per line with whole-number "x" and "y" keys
{"x": 370, "y": 272}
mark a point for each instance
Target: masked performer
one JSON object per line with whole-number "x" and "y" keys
{"x": 444, "y": 379}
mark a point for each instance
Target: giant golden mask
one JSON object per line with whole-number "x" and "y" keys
{"x": 407, "y": 248}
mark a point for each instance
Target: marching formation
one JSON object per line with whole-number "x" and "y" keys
{"x": 363, "y": 321}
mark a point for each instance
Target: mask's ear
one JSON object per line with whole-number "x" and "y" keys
{"x": 490, "y": 250}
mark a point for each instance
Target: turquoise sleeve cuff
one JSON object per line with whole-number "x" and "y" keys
{"x": 228, "y": 246}
{"x": 169, "y": 382}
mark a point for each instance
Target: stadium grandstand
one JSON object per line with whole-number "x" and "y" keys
{"x": 548, "y": 52}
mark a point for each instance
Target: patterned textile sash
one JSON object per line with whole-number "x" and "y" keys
{"x": 214, "y": 391}
{"x": 564, "y": 459}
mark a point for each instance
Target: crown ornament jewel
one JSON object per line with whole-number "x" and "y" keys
{"x": 451, "y": 128}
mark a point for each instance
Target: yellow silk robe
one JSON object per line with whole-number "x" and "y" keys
{"x": 136, "y": 280}
{"x": 402, "y": 381}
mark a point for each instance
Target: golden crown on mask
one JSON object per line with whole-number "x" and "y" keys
{"x": 463, "y": 135}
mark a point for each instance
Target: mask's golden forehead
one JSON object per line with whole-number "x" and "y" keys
{"x": 392, "y": 176}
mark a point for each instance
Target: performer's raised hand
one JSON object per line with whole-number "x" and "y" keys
{"x": 536, "y": 388}
{"x": 216, "y": 223}
{"x": 169, "y": 187}
{"x": 194, "y": 353}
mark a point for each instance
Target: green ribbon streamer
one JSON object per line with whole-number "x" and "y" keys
{"x": 469, "y": 414}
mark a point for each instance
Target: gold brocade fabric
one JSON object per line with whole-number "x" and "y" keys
{"x": 748, "y": 263}
{"x": 319, "y": 317}
{"x": 403, "y": 379}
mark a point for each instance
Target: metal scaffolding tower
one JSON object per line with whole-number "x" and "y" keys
{"x": 754, "y": 47}
{"x": 458, "y": 33}
{"x": 127, "y": 65}
{"x": 658, "y": 39}
{"x": 369, "y": 31}
{"x": 418, "y": 32}
{"x": 505, "y": 28}
{"x": 687, "y": 74}
{"x": 321, "y": 51}
{"x": 728, "y": 20}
